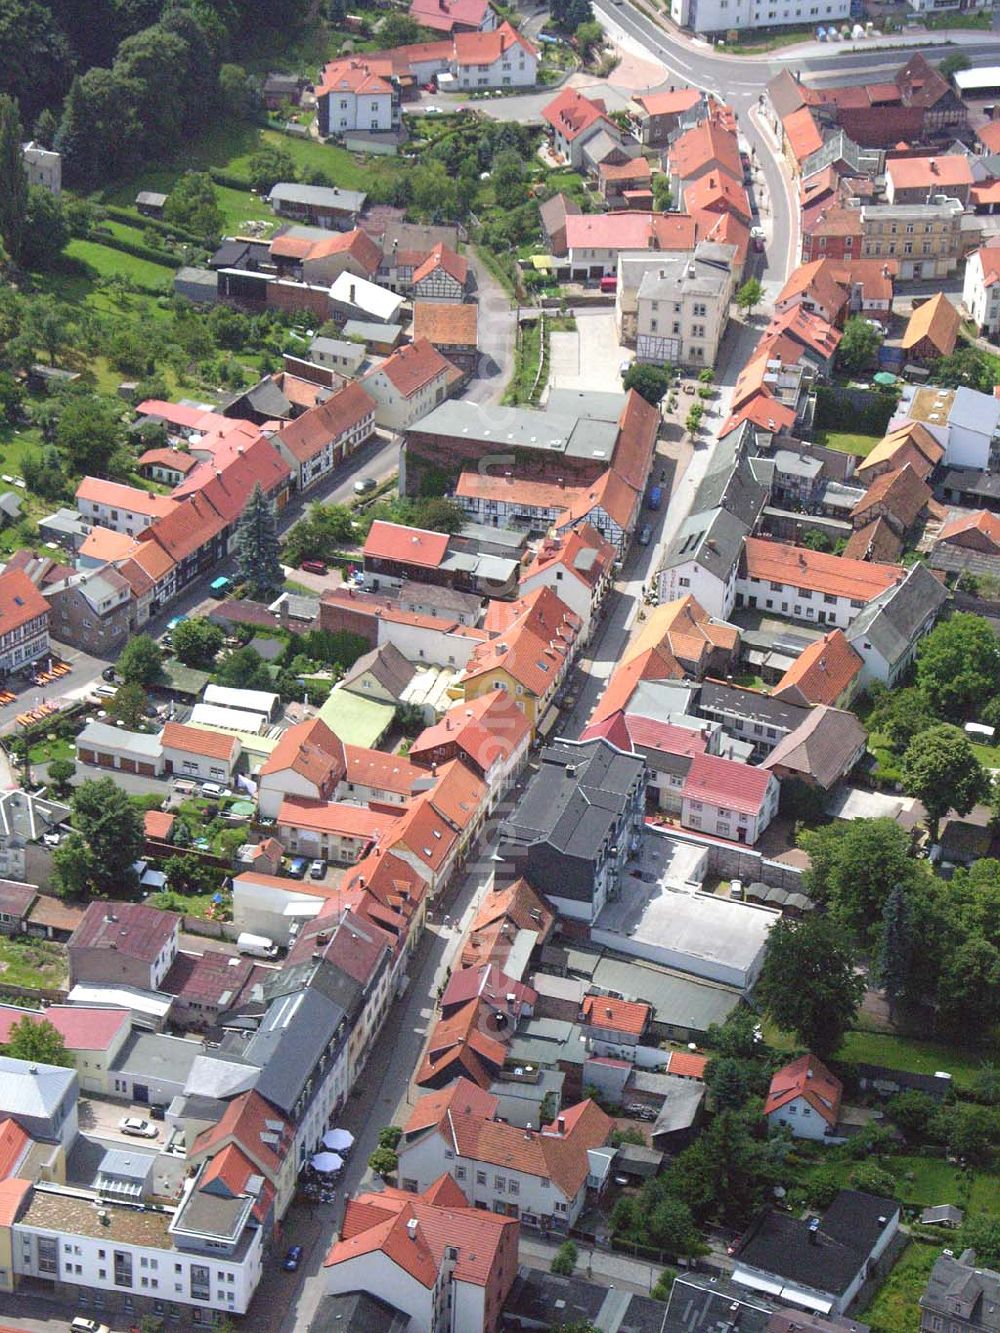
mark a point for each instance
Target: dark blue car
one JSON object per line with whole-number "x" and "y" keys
{"x": 292, "y": 1259}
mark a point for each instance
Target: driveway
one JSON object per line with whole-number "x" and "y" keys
{"x": 588, "y": 358}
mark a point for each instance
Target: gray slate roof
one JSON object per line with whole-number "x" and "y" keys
{"x": 296, "y": 1031}
{"x": 957, "y": 1287}
{"x": 389, "y": 667}
{"x": 718, "y": 701}
{"x": 822, "y": 747}
{"x": 319, "y": 196}
{"x": 32, "y": 1090}
{"x": 891, "y": 621}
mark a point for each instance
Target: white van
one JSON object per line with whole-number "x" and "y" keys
{"x": 257, "y": 946}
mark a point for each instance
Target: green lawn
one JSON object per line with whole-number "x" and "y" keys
{"x": 895, "y": 1308}
{"x": 103, "y": 262}
{"x": 847, "y": 442}
{"x": 16, "y": 445}
{"x": 920, "y": 1057}
{"x": 34, "y": 964}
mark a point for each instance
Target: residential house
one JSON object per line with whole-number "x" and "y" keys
{"x": 501, "y": 58}
{"x": 15, "y": 904}
{"x": 395, "y": 552}
{"x": 317, "y": 442}
{"x": 383, "y": 674}
{"x": 325, "y": 206}
{"x": 802, "y": 584}
{"x": 307, "y": 763}
{"x": 819, "y": 1263}
{"x": 576, "y": 825}
{"x": 965, "y": 421}
{"x": 977, "y": 532}
{"x": 684, "y": 634}
{"x": 489, "y": 734}
{"x": 332, "y": 830}
{"x": 355, "y": 299}
{"x": 125, "y": 943}
{"x": 170, "y": 466}
{"x": 627, "y": 184}
{"x": 317, "y": 258}
{"x": 354, "y": 93}
{"x": 553, "y": 214}
{"x": 574, "y": 120}
{"x": 657, "y": 116}
{"x": 259, "y": 1133}
{"x": 452, "y": 328}
{"x": 960, "y": 1292}
{"x": 92, "y": 610}
{"x": 907, "y": 442}
{"x": 890, "y": 626}
{"x": 926, "y": 240}
{"x": 540, "y": 1177}
{"x": 209, "y": 756}
{"x": 894, "y": 499}
{"x": 981, "y": 289}
{"x": 530, "y": 657}
{"x": 93, "y": 1037}
{"x": 827, "y": 671}
{"x": 419, "y": 1251}
{"x": 594, "y": 241}
{"x": 728, "y": 799}
{"x": 24, "y": 622}
{"x": 450, "y": 16}
{"x": 443, "y": 276}
{"x": 578, "y": 567}
{"x": 407, "y": 385}
{"x": 932, "y": 330}
{"x": 121, "y": 508}
{"x": 43, "y": 167}
{"x": 821, "y": 751}
{"x": 614, "y": 1027}
{"x": 710, "y": 147}
{"x": 805, "y": 1097}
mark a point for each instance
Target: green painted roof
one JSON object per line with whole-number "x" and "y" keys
{"x": 356, "y": 720}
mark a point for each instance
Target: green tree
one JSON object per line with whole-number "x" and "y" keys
{"x": 650, "y": 382}
{"x": 89, "y": 432}
{"x": 140, "y": 662}
{"x": 564, "y": 1259}
{"x": 662, "y": 194}
{"x": 409, "y": 718}
{"x": 46, "y": 232}
{"x": 193, "y": 204}
{"x": 237, "y": 91}
{"x": 971, "y": 1132}
{"x": 808, "y": 983}
{"x": 859, "y": 344}
{"x": 913, "y": 1113}
{"x": 244, "y": 669}
{"x": 13, "y": 179}
{"x": 736, "y": 1037}
{"x": 940, "y": 768}
{"x": 509, "y": 189}
{"x": 692, "y": 422}
{"x": 196, "y": 642}
{"x": 954, "y": 64}
{"x": 749, "y": 295}
{"x": 853, "y": 867}
{"x": 958, "y": 665}
{"x": 383, "y": 1161}
{"x": 61, "y": 773}
{"x": 589, "y": 38}
{"x": 731, "y": 1082}
{"x": 871, "y": 1178}
{"x": 967, "y": 366}
{"x": 389, "y": 1136}
{"x": 269, "y": 165}
{"x": 129, "y": 705}
{"x": 73, "y": 867}
{"x": 11, "y": 398}
{"x": 398, "y": 29}
{"x": 45, "y": 129}
{"x": 729, "y": 1171}
{"x": 901, "y": 715}
{"x": 111, "y": 830}
{"x": 38, "y": 1041}
{"x": 968, "y": 993}
{"x": 257, "y": 545}
{"x": 896, "y": 945}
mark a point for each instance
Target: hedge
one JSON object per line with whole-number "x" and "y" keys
{"x": 168, "y": 229}
{"x": 134, "y": 248}
{"x": 229, "y": 181}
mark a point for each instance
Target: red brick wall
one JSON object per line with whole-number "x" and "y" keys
{"x": 293, "y": 297}
{"x": 335, "y": 618}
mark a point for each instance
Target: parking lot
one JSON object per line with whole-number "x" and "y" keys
{"x": 590, "y": 357}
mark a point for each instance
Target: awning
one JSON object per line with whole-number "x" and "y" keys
{"x": 764, "y": 1284}
{"x": 548, "y": 722}
{"x": 795, "y": 1297}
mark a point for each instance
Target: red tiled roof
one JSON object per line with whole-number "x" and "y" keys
{"x": 822, "y": 673}
{"x": 627, "y": 230}
{"x": 717, "y": 192}
{"x": 412, "y": 367}
{"x": 798, "y": 566}
{"x": 982, "y": 521}
{"x": 406, "y": 545}
{"x": 463, "y": 1097}
{"x": 157, "y": 824}
{"x": 229, "y": 480}
{"x": 935, "y": 173}
{"x": 195, "y": 740}
{"x": 20, "y": 601}
{"x": 486, "y": 729}
{"x": 13, "y": 1142}
{"x": 186, "y": 530}
{"x": 358, "y": 244}
{"x": 876, "y": 541}
{"x": 671, "y": 103}
{"x": 686, "y": 1064}
{"x": 355, "y": 75}
{"x": 310, "y": 433}
{"x": 458, "y": 1044}
{"x": 94, "y": 490}
{"x": 570, "y": 113}
{"x": 311, "y": 750}
{"x": 650, "y": 733}
{"x": 502, "y": 913}
{"x": 447, "y": 323}
{"x": 426, "y": 834}
{"x": 806, "y": 1077}
{"x": 387, "y": 772}
{"x": 989, "y": 136}
{"x": 583, "y": 552}
{"x": 440, "y": 257}
{"x": 446, "y": 15}
{"x": 176, "y": 459}
{"x": 602, "y": 1011}
{"x": 489, "y": 983}
{"x": 486, "y": 48}
{"x": 261, "y": 1131}
{"x": 533, "y": 649}
{"x": 802, "y": 133}
{"x": 707, "y": 145}
{"x": 12, "y": 1194}
{"x": 212, "y": 977}
{"x": 458, "y": 795}
{"x": 726, "y": 783}
{"x": 334, "y": 817}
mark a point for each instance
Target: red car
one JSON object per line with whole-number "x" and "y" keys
{"x": 313, "y": 566}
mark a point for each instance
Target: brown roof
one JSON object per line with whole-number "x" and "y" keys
{"x": 822, "y": 747}
{"x": 938, "y": 321}
{"x": 311, "y": 750}
{"x": 448, "y": 323}
{"x": 981, "y": 521}
{"x": 128, "y": 928}
{"x": 684, "y": 631}
{"x": 903, "y": 493}
{"x": 911, "y": 442}
{"x": 20, "y": 601}
{"x": 876, "y": 541}
{"x": 413, "y": 366}
{"x": 187, "y": 529}
{"x": 310, "y": 433}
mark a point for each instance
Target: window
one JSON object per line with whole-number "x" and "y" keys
{"x": 499, "y": 1184}
{"x": 480, "y": 1177}
{"x": 123, "y": 1268}
{"x": 459, "y": 1172}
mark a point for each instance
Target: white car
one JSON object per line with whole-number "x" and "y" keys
{"x": 212, "y": 789}
{"x": 83, "y": 1325}
{"x": 141, "y": 1129}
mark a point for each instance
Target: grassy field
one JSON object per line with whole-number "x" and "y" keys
{"x": 846, "y": 442}
{"x": 895, "y": 1308}
{"x": 16, "y": 445}
{"x": 35, "y": 964}
{"x": 100, "y": 261}
{"x": 921, "y": 1057}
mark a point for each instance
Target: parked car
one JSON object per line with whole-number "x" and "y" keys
{"x": 293, "y": 1258}
{"x": 83, "y": 1325}
{"x": 140, "y": 1129}
{"x": 363, "y": 485}
{"x": 317, "y": 869}
{"x": 212, "y": 789}
{"x": 645, "y": 535}
{"x": 108, "y": 673}
{"x": 297, "y": 867}
{"x": 184, "y": 786}
{"x": 313, "y": 566}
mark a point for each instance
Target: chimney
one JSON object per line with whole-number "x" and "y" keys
{"x": 814, "y": 1231}
{"x": 352, "y": 290}
{"x": 411, "y": 1228}
{"x": 561, "y": 1124}
{"x": 527, "y": 1130}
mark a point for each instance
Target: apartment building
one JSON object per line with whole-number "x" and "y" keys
{"x": 321, "y": 439}
{"x": 407, "y": 385}
{"x": 92, "y": 610}
{"x": 126, "y": 509}
{"x": 125, "y": 943}
{"x": 720, "y": 16}
{"x": 981, "y": 289}
{"x": 728, "y": 799}
{"x": 801, "y": 584}
{"x": 926, "y": 239}
{"x": 356, "y": 94}
{"x": 683, "y": 307}
{"x": 502, "y": 58}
